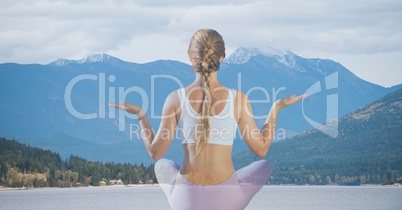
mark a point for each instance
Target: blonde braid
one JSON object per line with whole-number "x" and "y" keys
{"x": 203, "y": 126}
{"x": 206, "y": 49}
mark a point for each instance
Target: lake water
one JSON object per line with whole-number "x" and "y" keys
{"x": 152, "y": 197}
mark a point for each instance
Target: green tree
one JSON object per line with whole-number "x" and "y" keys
{"x": 311, "y": 179}
{"x": 13, "y": 178}
{"x": 328, "y": 180}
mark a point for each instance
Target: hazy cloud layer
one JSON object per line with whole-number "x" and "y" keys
{"x": 365, "y": 36}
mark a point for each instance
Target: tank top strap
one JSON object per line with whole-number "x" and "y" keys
{"x": 182, "y": 97}
{"x": 232, "y": 102}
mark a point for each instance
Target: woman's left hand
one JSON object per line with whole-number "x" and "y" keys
{"x": 133, "y": 109}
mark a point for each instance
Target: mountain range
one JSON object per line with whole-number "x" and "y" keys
{"x": 62, "y": 106}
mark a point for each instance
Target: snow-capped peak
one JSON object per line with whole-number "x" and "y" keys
{"x": 88, "y": 58}
{"x": 95, "y": 57}
{"x": 60, "y": 62}
{"x": 242, "y": 55}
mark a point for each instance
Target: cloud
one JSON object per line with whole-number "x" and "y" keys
{"x": 142, "y": 31}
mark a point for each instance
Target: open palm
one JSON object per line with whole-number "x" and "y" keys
{"x": 133, "y": 109}
{"x": 282, "y": 103}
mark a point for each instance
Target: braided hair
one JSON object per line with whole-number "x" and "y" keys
{"x": 206, "y": 49}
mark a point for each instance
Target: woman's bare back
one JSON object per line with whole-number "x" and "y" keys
{"x": 214, "y": 164}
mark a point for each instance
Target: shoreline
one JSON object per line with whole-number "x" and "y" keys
{"x": 17, "y": 188}
{"x": 157, "y": 185}
{"x": 142, "y": 185}
{"x": 32, "y": 188}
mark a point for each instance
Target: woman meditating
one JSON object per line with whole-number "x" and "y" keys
{"x": 207, "y": 114}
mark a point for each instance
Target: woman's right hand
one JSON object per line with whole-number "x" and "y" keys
{"x": 133, "y": 109}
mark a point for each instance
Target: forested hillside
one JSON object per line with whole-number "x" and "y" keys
{"x": 367, "y": 150}
{"x": 25, "y": 166}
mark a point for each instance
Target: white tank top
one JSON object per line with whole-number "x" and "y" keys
{"x": 222, "y": 126}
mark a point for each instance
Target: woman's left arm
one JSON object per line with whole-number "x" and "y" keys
{"x": 156, "y": 144}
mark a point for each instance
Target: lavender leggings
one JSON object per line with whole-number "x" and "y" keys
{"x": 234, "y": 193}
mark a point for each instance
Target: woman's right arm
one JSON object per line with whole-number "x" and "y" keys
{"x": 259, "y": 141}
{"x": 156, "y": 144}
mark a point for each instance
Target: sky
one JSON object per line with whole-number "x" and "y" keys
{"x": 363, "y": 35}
